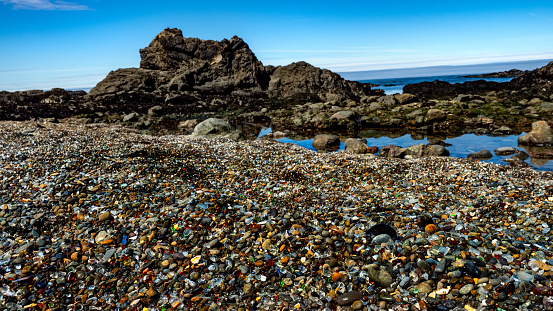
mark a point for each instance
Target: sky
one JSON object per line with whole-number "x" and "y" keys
{"x": 75, "y": 44}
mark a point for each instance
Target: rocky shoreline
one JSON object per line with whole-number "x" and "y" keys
{"x": 187, "y": 79}
{"x": 97, "y": 216}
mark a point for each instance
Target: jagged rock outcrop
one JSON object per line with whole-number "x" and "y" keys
{"x": 301, "y": 77}
{"x": 540, "y": 79}
{"x": 172, "y": 65}
{"x": 32, "y": 104}
{"x": 444, "y": 90}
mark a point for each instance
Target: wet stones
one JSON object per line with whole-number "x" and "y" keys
{"x": 104, "y": 216}
{"x": 504, "y": 151}
{"x": 380, "y": 276}
{"x": 349, "y": 298}
{"x": 217, "y": 224}
{"x": 326, "y": 142}
{"x": 482, "y": 154}
{"x": 465, "y": 290}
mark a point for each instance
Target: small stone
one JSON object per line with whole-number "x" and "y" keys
{"x": 75, "y": 256}
{"x": 348, "y": 298}
{"x": 380, "y": 276}
{"x": 424, "y": 288}
{"x": 151, "y": 292}
{"x": 466, "y": 289}
{"x": 357, "y": 305}
{"x": 104, "y": 216}
{"x": 266, "y": 244}
{"x": 381, "y": 238}
{"x": 431, "y": 228}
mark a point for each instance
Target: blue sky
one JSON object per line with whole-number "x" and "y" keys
{"x": 74, "y": 44}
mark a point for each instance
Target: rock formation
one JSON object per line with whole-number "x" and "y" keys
{"x": 173, "y": 65}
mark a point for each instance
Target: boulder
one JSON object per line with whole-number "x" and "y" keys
{"x": 188, "y": 124}
{"x": 405, "y": 98}
{"x": 344, "y": 115}
{"x": 482, "y": 154}
{"x": 356, "y": 145}
{"x": 435, "y": 115}
{"x": 392, "y": 151}
{"x": 131, "y": 117}
{"x": 503, "y": 130}
{"x": 326, "y": 142}
{"x": 439, "y": 150}
{"x": 422, "y": 150}
{"x": 375, "y": 107}
{"x": 213, "y": 127}
{"x": 503, "y": 151}
{"x": 155, "y": 111}
{"x": 540, "y": 134}
{"x": 388, "y": 100}
{"x": 520, "y": 156}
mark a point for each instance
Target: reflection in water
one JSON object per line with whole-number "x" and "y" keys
{"x": 458, "y": 147}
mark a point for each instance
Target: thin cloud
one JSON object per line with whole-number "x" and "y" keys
{"x": 351, "y": 50}
{"x": 344, "y": 66}
{"x": 47, "y": 5}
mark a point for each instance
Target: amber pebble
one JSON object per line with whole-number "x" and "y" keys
{"x": 106, "y": 241}
{"x": 542, "y": 290}
{"x": 431, "y": 228}
{"x": 336, "y": 276}
{"x": 284, "y": 260}
{"x": 258, "y": 263}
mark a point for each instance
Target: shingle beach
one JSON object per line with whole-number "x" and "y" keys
{"x": 99, "y": 217}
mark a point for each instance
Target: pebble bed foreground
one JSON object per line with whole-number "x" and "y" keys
{"x": 96, "y": 217}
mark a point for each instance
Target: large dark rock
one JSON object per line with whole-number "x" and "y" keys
{"x": 303, "y": 78}
{"x": 445, "y": 90}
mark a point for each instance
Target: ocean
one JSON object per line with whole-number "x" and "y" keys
{"x": 393, "y": 80}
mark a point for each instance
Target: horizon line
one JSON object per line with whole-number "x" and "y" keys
{"x": 420, "y": 71}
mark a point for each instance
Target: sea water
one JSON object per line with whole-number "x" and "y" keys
{"x": 459, "y": 147}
